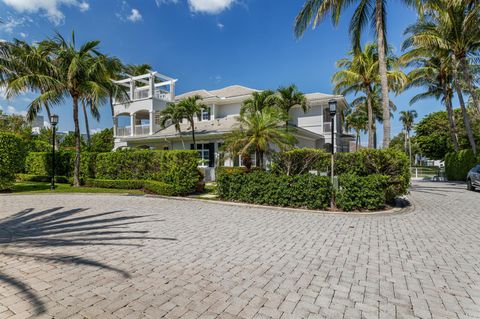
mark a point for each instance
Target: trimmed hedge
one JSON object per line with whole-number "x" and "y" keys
{"x": 301, "y": 161}
{"x": 154, "y": 187}
{"x": 41, "y": 178}
{"x": 40, "y": 163}
{"x": 361, "y": 192}
{"x": 457, "y": 164}
{"x": 266, "y": 188}
{"x": 12, "y": 156}
{"x": 177, "y": 168}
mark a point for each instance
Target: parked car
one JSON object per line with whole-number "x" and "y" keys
{"x": 473, "y": 178}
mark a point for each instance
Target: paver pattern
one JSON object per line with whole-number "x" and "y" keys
{"x": 111, "y": 256}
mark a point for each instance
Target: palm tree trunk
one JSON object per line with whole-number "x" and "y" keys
{"x": 370, "y": 118}
{"x": 193, "y": 134}
{"x": 382, "y": 66}
{"x": 76, "y": 166}
{"x": 451, "y": 119}
{"x": 469, "y": 81}
{"x": 409, "y": 147}
{"x": 47, "y": 109}
{"x": 87, "y": 127}
{"x": 405, "y": 141}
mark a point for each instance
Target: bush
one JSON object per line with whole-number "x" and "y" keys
{"x": 12, "y": 158}
{"x": 116, "y": 184}
{"x": 266, "y": 188}
{"x": 40, "y": 163}
{"x": 457, "y": 164}
{"x": 361, "y": 192}
{"x": 41, "y": 178}
{"x": 178, "y": 168}
{"x": 301, "y": 161}
{"x": 160, "y": 188}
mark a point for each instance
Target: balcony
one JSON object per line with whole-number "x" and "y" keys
{"x": 123, "y": 131}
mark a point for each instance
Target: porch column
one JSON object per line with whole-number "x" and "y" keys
{"x": 152, "y": 85}
{"x": 151, "y": 118}
{"x": 172, "y": 91}
{"x": 132, "y": 124}
{"x": 212, "y": 111}
{"x": 132, "y": 89}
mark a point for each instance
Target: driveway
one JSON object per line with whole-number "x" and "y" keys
{"x": 111, "y": 256}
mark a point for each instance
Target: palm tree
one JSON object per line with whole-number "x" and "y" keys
{"x": 408, "y": 118}
{"x": 191, "y": 107}
{"x": 80, "y": 76}
{"x": 359, "y": 73}
{"x": 137, "y": 69}
{"x": 315, "y": 11}
{"x": 259, "y": 130}
{"x": 358, "y": 121}
{"x": 289, "y": 97}
{"x": 114, "y": 71}
{"x": 258, "y": 101}
{"x": 172, "y": 115}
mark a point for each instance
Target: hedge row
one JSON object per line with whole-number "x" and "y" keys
{"x": 154, "y": 187}
{"x": 389, "y": 162}
{"x": 265, "y": 188}
{"x": 41, "y": 178}
{"x": 40, "y": 163}
{"x": 457, "y": 164}
{"x": 361, "y": 192}
{"x": 12, "y": 156}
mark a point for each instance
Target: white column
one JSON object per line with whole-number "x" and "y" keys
{"x": 172, "y": 91}
{"x": 152, "y": 85}
{"x": 151, "y": 117}
{"x": 213, "y": 110}
{"x": 132, "y": 124}
{"x": 132, "y": 89}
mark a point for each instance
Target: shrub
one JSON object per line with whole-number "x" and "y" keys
{"x": 12, "y": 157}
{"x": 457, "y": 164}
{"x": 160, "y": 188}
{"x": 266, "y": 188}
{"x": 361, "y": 192}
{"x": 40, "y": 163}
{"x": 40, "y": 178}
{"x": 177, "y": 168}
{"x": 117, "y": 184}
{"x": 301, "y": 161}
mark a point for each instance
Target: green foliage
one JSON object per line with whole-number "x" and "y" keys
{"x": 67, "y": 142}
{"x": 12, "y": 157}
{"x": 300, "y": 161}
{"x": 266, "y": 188}
{"x": 39, "y": 146}
{"x": 177, "y": 168}
{"x": 457, "y": 164}
{"x": 17, "y": 124}
{"x": 230, "y": 170}
{"x": 40, "y": 178}
{"x": 116, "y": 184}
{"x": 361, "y": 192}
{"x": 88, "y": 163}
{"x": 102, "y": 141}
{"x": 161, "y": 188}
{"x": 40, "y": 163}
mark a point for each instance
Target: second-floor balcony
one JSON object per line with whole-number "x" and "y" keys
{"x": 138, "y": 130}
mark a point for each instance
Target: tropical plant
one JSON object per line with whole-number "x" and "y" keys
{"x": 258, "y": 132}
{"x": 315, "y": 11}
{"x": 288, "y": 97}
{"x": 190, "y": 108}
{"x": 358, "y": 121}
{"x": 408, "y": 118}
{"x": 172, "y": 115}
{"x": 258, "y": 101}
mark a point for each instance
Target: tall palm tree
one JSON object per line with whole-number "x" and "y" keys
{"x": 191, "y": 107}
{"x": 315, "y": 11}
{"x": 81, "y": 76}
{"x": 172, "y": 115}
{"x": 258, "y": 101}
{"x": 258, "y": 132}
{"x": 137, "y": 69}
{"x": 358, "y": 121}
{"x": 408, "y": 118}
{"x": 289, "y": 97}
{"x": 359, "y": 73}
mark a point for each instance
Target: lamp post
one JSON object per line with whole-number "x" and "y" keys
{"x": 332, "y": 106}
{"x": 54, "y": 122}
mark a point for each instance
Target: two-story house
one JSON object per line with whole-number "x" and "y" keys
{"x": 136, "y": 123}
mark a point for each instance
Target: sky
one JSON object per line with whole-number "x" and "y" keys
{"x": 205, "y": 44}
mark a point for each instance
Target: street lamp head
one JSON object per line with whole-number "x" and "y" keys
{"x": 332, "y": 106}
{"x": 54, "y": 119}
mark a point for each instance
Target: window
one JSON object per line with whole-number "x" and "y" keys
{"x": 205, "y": 153}
{"x": 206, "y": 114}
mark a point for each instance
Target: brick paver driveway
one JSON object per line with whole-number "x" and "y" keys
{"x": 110, "y": 256}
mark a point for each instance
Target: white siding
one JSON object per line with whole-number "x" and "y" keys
{"x": 228, "y": 110}
{"x": 311, "y": 120}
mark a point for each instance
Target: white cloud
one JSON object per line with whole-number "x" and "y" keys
{"x": 220, "y": 25}
{"x": 135, "y": 16}
{"x": 23, "y": 34}
{"x": 210, "y": 6}
{"x": 50, "y": 8}
{"x": 12, "y": 110}
{"x": 216, "y": 78}
{"x": 11, "y": 23}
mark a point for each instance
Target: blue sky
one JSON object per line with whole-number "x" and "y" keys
{"x": 204, "y": 43}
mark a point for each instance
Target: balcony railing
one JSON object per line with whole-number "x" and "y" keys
{"x": 141, "y": 130}
{"x": 123, "y": 131}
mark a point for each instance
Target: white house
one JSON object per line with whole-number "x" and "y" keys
{"x": 150, "y": 93}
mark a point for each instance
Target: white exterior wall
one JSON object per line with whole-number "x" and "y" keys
{"x": 228, "y": 110}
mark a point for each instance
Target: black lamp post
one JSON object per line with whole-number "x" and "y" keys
{"x": 54, "y": 122}
{"x": 332, "y": 106}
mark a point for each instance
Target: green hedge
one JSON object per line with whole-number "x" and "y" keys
{"x": 41, "y": 178}
{"x": 301, "y": 161}
{"x": 457, "y": 164}
{"x": 266, "y": 188}
{"x": 12, "y": 157}
{"x": 361, "y": 192}
{"x": 177, "y": 168}
{"x": 40, "y": 163}
{"x": 154, "y": 187}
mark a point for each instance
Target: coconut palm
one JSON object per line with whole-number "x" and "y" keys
{"x": 359, "y": 73}
{"x": 137, "y": 69}
{"x": 408, "y": 118}
{"x": 258, "y": 132}
{"x": 315, "y": 11}
{"x": 288, "y": 97}
{"x": 80, "y": 75}
{"x": 172, "y": 115}
{"x": 358, "y": 121}
{"x": 258, "y": 101}
{"x": 190, "y": 108}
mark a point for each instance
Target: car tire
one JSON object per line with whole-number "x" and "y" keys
{"x": 470, "y": 186}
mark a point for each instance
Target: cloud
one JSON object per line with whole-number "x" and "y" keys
{"x": 12, "y": 110}
{"x": 50, "y": 8}
{"x": 220, "y": 25}
{"x": 216, "y": 78}
{"x": 134, "y": 16}
{"x": 23, "y": 34}
{"x": 11, "y": 23}
{"x": 209, "y": 6}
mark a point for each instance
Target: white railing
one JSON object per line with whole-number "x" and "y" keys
{"x": 141, "y": 130}
{"x": 124, "y": 131}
